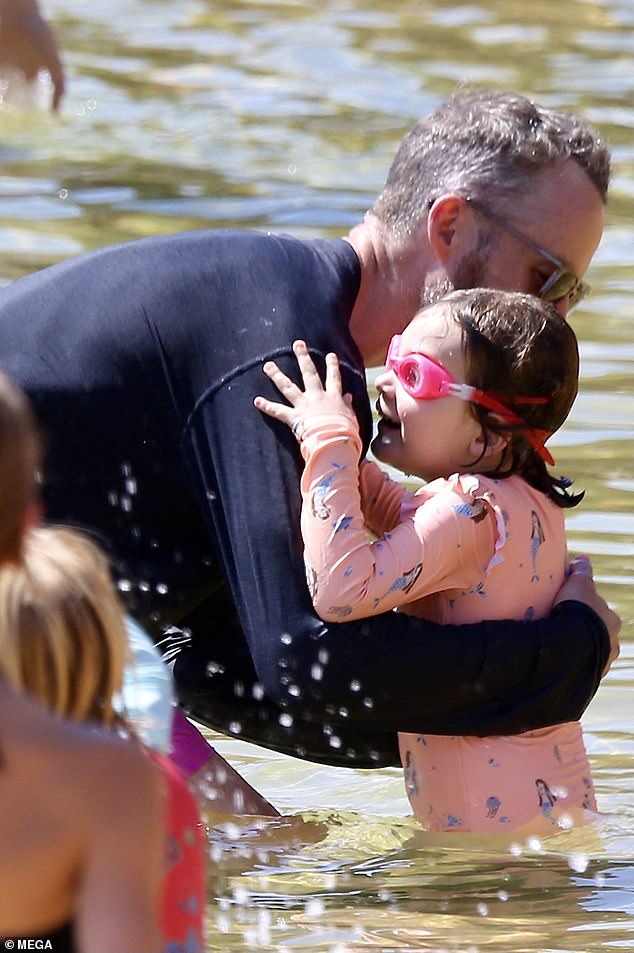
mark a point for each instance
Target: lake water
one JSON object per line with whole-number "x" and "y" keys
{"x": 200, "y": 113}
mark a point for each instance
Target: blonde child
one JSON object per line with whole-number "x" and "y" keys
{"x": 63, "y": 640}
{"x": 473, "y": 388}
{"x": 80, "y": 858}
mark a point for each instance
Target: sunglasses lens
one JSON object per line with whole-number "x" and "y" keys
{"x": 564, "y": 284}
{"x": 560, "y": 285}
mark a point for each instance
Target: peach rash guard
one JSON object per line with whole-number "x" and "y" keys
{"x": 458, "y": 550}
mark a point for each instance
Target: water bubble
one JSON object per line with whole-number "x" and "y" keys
{"x": 515, "y": 850}
{"x": 534, "y": 843}
{"x": 314, "y": 907}
{"x": 113, "y": 498}
{"x": 161, "y": 588}
{"x": 131, "y": 486}
{"x": 124, "y": 585}
{"x": 211, "y": 496}
{"x": 294, "y": 690}
{"x": 355, "y": 686}
{"x": 257, "y": 691}
{"x": 286, "y": 638}
{"x": 241, "y": 896}
{"x": 292, "y": 169}
{"x": 578, "y": 863}
{"x": 599, "y": 879}
{"x": 91, "y": 104}
{"x": 343, "y": 712}
{"x": 238, "y": 689}
{"x": 214, "y": 668}
{"x": 316, "y": 672}
{"x": 126, "y": 469}
{"x": 368, "y": 702}
{"x": 483, "y": 910}
{"x": 375, "y": 756}
{"x": 335, "y": 741}
{"x": 235, "y": 727}
{"x": 126, "y": 504}
{"x": 63, "y": 193}
{"x": 323, "y": 656}
{"x": 502, "y": 895}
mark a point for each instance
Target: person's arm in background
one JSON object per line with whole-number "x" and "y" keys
{"x": 27, "y": 44}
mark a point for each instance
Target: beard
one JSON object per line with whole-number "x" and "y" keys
{"x": 470, "y": 273}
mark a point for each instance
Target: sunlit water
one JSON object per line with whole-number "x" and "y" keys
{"x": 187, "y": 114}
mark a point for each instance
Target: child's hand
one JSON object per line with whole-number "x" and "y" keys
{"x": 314, "y": 400}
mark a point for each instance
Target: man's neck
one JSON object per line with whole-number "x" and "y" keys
{"x": 389, "y": 294}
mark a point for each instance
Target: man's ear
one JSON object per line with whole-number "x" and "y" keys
{"x": 488, "y": 444}
{"x": 449, "y": 227}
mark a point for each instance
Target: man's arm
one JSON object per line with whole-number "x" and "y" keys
{"x": 27, "y": 44}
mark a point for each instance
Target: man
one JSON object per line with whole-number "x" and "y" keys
{"x": 27, "y": 45}
{"x": 143, "y": 360}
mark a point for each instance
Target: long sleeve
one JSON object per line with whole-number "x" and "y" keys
{"x": 437, "y": 540}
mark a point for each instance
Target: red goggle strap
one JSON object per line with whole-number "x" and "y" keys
{"x": 535, "y": 435}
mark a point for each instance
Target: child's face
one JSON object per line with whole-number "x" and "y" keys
{"x": 427, "y": 438}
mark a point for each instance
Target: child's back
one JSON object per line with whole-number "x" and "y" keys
{"x": 502, "y": 783}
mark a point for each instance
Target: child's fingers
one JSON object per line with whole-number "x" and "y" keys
{"x": 310, "y": 376}
{"x": 283, "y": 383}
{"x": 277, "y": 411}
{"x": 333, "y": 374}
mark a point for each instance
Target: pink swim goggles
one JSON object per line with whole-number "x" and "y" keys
{"x": 425, "y": 379}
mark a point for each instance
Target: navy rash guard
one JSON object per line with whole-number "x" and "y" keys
{"x": 142, "y": 361}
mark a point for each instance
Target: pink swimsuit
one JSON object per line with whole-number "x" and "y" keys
{"x": 458, "y": 550}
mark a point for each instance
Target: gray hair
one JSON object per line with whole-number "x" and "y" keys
{"x": 482, "y": 141}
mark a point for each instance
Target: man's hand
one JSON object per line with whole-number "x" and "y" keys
{"x": 27, "y": 45}
{"x": 315, "y": 400}
{"x": 580, "y": 586}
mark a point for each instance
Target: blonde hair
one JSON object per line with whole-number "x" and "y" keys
{"x": 62, "y": 630}
{"x": 19, "y": 463}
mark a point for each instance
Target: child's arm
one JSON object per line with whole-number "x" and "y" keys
{"x": 433, "y": 547}
{"x": 444, "y": 538}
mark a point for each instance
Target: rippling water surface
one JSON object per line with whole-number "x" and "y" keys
{"x": 193, "y": 113}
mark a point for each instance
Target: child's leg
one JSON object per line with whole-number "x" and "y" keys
{"x": 219, "y": 786}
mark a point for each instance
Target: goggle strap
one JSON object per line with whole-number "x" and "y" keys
{"x": 535, "y": 436}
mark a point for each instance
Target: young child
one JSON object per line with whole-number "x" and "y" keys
{"x": 80, "y": 862}
{"x": 473, "y": 388}
{"x": 63, "y": 641}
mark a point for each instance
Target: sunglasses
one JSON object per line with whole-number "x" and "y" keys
{"x": 563, "y": 283}
{"x": 425, "y": 379}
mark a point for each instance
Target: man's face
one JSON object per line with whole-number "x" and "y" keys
{"x": 563, "y": 213}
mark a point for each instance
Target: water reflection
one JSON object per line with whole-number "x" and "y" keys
{"x": 285, "y": 116}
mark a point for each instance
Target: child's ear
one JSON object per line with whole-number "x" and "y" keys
{"x": 488, "y": 444}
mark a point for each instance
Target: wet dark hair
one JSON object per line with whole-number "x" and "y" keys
{"x": 485, "y": 144}
{"x": 518, "y": 346}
